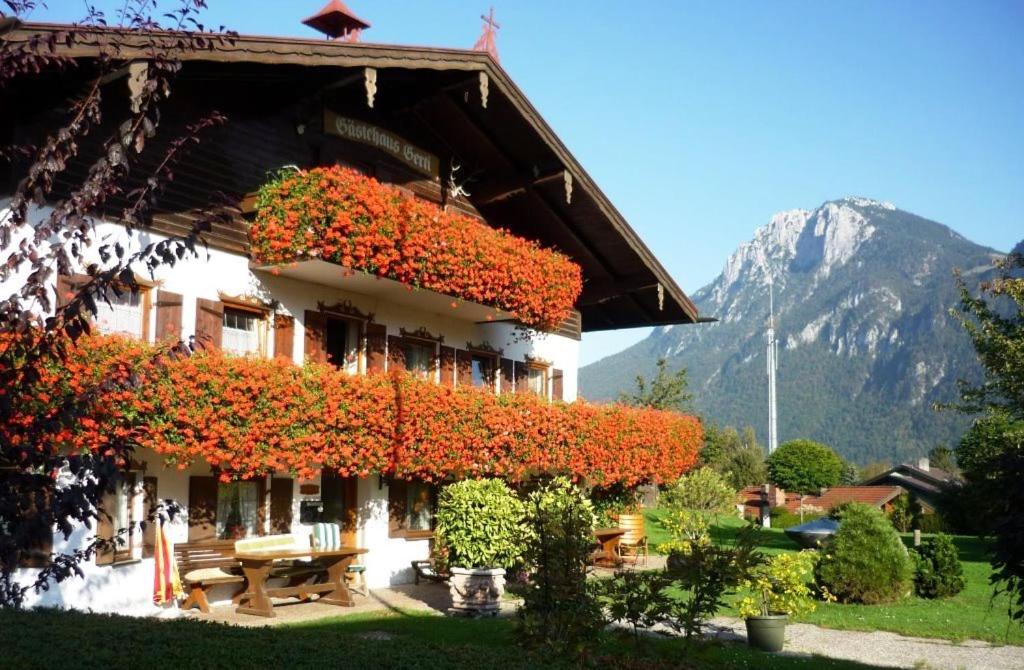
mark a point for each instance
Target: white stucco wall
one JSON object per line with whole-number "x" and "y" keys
{"x": 127, "y": 588}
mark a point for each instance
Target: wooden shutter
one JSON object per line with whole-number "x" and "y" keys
{"x": 168, "y": 316}
{"x": 463, "y": 368}
{"x": 376, "y": 339}
{"x": 38, "y": 553}
{"x": 284, "y": 336}
{"x": 209, "y": 322}
{"x": 396, "y": 355}
{"x": 397, "y": 500}
{"x": 105, "y": 528}
{"x": 316, "y": 336}
{"x": 281, "y": 505}
{"x": 149, "y": 504}
{"x": 506, "y": 376}
{"x": 202, "y": 508}
{"x": 339, "y": 496}
{"x": 557, "y": 391}
{"x": 447, "y": 363}
{"x": 522, "y": 378}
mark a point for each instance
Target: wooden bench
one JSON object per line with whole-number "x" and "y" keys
{"x": 428, "y": 571}
{"x": 202, "y": 566}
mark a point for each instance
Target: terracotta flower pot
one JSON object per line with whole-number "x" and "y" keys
{"x": 767, "y": 633}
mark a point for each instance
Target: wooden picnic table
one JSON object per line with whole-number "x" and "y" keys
{"x": 608, "y": 538}
{"x": 256, "y": 566}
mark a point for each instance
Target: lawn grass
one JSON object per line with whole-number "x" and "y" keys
{"x": 69, "y": 640}
{"x": 971, "y": 614}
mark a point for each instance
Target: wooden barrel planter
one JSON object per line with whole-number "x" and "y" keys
{"x": 633, "y": 524}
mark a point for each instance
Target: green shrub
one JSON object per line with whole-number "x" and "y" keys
{"x": 866, "y": 561}
{"x": 937, "y": 570}
{"x": 480, "y": 524}
{"x": 932, "y": 523}
{"x": 640, "y": 598}
{"x": 704, "y": 573}
{"x": 783, "y": 518}
{"x": 560, "y": 613}
{"x": 702, "y": 490}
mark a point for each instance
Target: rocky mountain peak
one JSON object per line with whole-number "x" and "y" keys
{"x": 862, "y": 294}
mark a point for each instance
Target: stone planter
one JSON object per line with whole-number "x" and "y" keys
{"x": 767, "y": 633}
{"x": 476, "y": 592}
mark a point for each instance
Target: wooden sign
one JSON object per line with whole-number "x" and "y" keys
{"x": 366, "y": 133}
{"x": 309, "y": 489}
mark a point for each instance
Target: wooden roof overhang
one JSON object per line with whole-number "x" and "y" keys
{"x": 434, "y": 95}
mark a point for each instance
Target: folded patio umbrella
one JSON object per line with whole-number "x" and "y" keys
{"x": 166, "y": 581}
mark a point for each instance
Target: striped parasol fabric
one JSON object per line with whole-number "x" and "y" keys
{"x": 166, "y": 581}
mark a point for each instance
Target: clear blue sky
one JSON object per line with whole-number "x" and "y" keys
{"x": 700, "y": 120}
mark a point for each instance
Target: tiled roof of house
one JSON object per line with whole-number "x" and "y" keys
{"x": 869, "y": 495}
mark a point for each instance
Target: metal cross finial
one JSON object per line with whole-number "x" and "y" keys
{"x": 486, "y": 41}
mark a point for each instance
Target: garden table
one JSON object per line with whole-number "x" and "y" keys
{"x": 608, "y": 538}
{"x": 256, "y": 566}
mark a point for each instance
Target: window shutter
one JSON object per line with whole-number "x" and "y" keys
{"x": 105, "y": 529}
{"x": 39, "y": 552}
{"x": 506, "y": 376}
{"x": 463, "y": 368}
{"x": 150, "y": 501}
{"x": 376, "y": 334}
{"x": 209, "y": 322}
{"x": 281, "y": 504}
{"x": 522, "y": 378}
{"x": 557, "y": 392}
{"x": 316, "y": 336}
{"x": 168, "y": 316}
{"x": 397, "y": 493}
{"x": 396, "y": 356}
{"x": 447, "y": 363}
{"x": 202, "y": 508}
{"x": 284, "y": 336}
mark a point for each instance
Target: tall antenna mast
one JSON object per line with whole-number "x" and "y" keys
{"x": 773, "y": 352}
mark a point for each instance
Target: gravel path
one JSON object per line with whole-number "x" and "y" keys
{"x": 885, "y": 649}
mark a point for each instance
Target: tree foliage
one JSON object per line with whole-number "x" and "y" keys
{"x": 668, "y": 390}
{"x": 991, "y": 455}
{"x": 48, "y": 230}
{"x": 804, "y": 466}
{"x": 736, "y": 455}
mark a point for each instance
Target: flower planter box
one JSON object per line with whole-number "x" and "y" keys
{"x": 476, "y": 592}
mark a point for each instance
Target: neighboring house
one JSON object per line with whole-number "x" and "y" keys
{"x": 925, "y": 482}
{"x": 753, "y": 498}
{"x": 438, "y": 123}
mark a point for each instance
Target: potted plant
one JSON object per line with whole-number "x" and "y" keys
{"x": 779, "y": 588}
{"x": 479, "y": 535}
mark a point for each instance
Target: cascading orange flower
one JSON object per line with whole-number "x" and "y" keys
{"x": 248, "y": 417}
{"x": 341, "y": 216}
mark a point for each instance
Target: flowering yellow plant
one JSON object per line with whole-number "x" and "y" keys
{"x": 781, "y": 586}
{"x": 687, "y": 527}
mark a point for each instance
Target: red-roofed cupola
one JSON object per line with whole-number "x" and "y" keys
{"x": 337, "y": 22}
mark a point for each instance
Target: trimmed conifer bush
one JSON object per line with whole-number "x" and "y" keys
{"x": 937, "y": 570}
{"x": 866, "y": 561}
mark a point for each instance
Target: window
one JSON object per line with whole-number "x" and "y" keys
{"x": 238, "y": 510}
{"x": 419, "y": 357}
{"x": 483, "y": 371}
{"x": 342, "y": 344}
{"x": 411, "y": 507}
{"x": 243, "y": 331}
{"x": 420, "y": 505}
{"x": 123, "y": 314}
{"x": 118, "y": 522}
{"x": 537, "y": 380}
